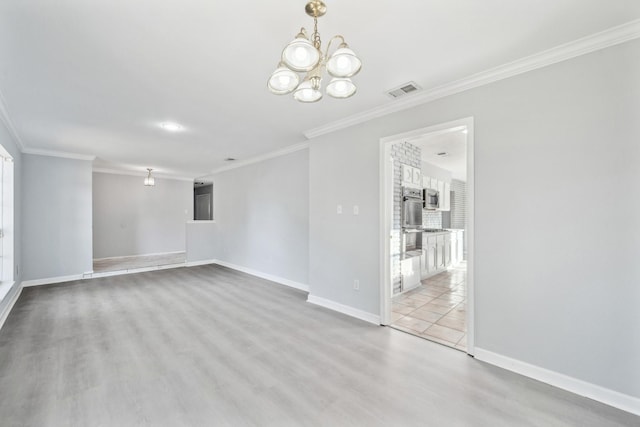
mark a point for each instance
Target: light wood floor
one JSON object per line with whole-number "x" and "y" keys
{"x": 209, "y": 346}
{"x": 137, "y": 261}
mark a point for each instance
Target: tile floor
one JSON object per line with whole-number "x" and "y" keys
{"x": 436, "y": 310}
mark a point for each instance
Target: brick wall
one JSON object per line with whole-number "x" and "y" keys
{"x": 408, "y": 154}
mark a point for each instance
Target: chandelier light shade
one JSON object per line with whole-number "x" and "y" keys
{"x": 149, "y": 181}
{"x": 343, "y": 62}
{"x": 300, "y": 54}
{"x": 304, "y": 55}
{"x": 283, "y": 80}
{"x": 306, "y": 92}
{"x": 341, "y": 88}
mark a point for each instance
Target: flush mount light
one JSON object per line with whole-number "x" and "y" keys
{"x": 149, "y": 181}
{"x": 171, "y": 126}
{"x": 304, "y": 55}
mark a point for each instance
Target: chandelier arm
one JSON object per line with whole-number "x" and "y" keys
{"x": 326, "y": 52}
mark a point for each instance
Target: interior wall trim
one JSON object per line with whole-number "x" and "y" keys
{"x": 607, "y": 38}
{"x": 592, "y": 391}
{"x": 12, "y": 298}
{"x": 8, "y": 123}
{"x": 257, "y": 159}
{"x": 52, "y": 280}
{"x": 54, "y": 153}
{"x": 344, "y": 309}
{"x": 129, "y": 256}
{"x": 277, "y": 279}
{"x": 201, "y": 262}
{"x": 142, "y": 174}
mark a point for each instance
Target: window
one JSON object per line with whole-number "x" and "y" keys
{"x": 6, "y": 222}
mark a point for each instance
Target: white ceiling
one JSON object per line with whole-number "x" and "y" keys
{"x": 96, "y": 77}
{"x": 454, "y": 143}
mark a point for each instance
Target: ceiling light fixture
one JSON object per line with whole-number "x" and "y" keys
{"x": 149, "y": 181}
{"x": 171, "y": 126}
{"x": 305, "y": 56}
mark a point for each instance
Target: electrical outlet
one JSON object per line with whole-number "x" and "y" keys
{"x": 356, "y": 284}
{"x": 339, "y": 209}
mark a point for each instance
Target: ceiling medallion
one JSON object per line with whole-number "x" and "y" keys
{"x": 304, "y": 55}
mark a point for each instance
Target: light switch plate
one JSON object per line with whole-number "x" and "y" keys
{"x": 356, "y": 210}
{"x": 339, "y": 209}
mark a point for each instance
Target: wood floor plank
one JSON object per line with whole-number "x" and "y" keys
{"x": 208, "y": 345}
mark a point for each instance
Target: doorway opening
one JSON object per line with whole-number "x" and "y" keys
{"x": 427, "y": 255}
{"x": 202, "y": 200}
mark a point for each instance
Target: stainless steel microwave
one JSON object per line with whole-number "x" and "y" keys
{"x": 431, "y": 199}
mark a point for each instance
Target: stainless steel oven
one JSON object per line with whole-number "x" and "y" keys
{"x": 411, "y": 207}
{"x": 431, "y": 199}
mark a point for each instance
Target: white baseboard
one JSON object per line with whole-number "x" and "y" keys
{"x": 201, "y": 262}
{"x": 282, "y": 281}
{"x": 131, "y": 256}
{"x": 12, "y": 301}
{"x": 344, "y": 309}
{"x": 601, "y": 394}
{"x": 51, "y": 280}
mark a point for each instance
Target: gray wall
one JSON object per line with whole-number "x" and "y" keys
{"x": 202, "y": 242}
{"x": 262, "y": 216}
{"x": 56, "y": 212}
{"x": 7, "y": 142}
{"x": 132, "y": 219}
{"x": 557, "y": 283}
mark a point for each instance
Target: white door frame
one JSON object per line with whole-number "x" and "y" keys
{"x": 386, "y": 216}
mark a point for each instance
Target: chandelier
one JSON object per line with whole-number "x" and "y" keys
{"x": 304, "y": 55}
{"x": 149, "y": 181}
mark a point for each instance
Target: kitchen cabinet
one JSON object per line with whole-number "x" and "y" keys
{"x": 411, "y": 177}
{"x": 417, "y": 177}
{"x": 434, "y": 184}
{"x": 429, "y": 258}
{"x": 447, "y": 249}
{"x": 454, "y": 248}
{"x": 445, "y": 197}
{"x": 460, "y": 245}
{"x": 407, "y": 174}
{"x": 410, "y": 270}
{"x": 440, "y": 251}
{"x": 427, "y": 182}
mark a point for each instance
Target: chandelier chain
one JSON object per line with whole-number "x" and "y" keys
{"x": 316, "y": 35}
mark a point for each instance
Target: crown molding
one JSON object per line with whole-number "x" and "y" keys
{"x": 142, "y": 174}
{"x": 272, "y": 154}
{"x": 54, "y": 153}
{"x": 563, "y": 52}
{"x": 4, "y": 117}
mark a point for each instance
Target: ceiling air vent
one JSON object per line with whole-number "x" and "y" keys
{"x": 403, "y": 90}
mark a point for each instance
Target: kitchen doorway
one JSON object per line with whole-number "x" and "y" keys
{"x": 427, "y": 266}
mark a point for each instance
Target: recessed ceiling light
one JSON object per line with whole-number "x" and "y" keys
{"x": 442, "y": 154}
{"x": 171, "y": 126}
